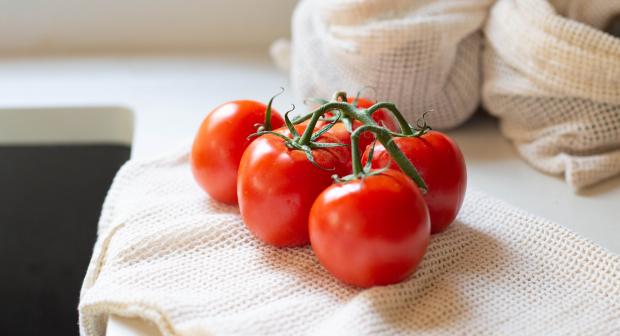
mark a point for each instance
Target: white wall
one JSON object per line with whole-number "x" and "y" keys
{"x": 41, "y": 26}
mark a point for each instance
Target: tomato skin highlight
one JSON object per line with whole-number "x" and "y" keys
{"x": 440, "y": 162}
{"x": 371, "y": 231}
{"x": 220, "y": 143}
{"x": 277, "y": 186}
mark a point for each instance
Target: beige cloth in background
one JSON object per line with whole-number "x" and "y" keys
{"x": 169, "y": 254}
{"x": 422, "y": 55}
{"x": 553, "y": 79}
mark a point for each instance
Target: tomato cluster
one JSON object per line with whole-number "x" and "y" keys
{"x": 352, "y": 178}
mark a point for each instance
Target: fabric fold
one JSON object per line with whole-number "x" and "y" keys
{"x": 554, "y": 83}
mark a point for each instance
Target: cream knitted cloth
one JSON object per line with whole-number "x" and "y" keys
{"x": 169, "y": 254}
{"x": 552, "y": 76}
{"x": 421, "y": 54}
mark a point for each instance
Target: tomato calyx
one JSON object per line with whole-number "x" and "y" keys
{"x": 353, "y": 112}
{"x": 266, "y": 125}
{"x": 338, "y": 96}
{"x": 295, "y": 142}
{"x": 419, "y": 130}
{"x": 347, "y": 113}
{"x": 360, "y": 172}
{"x": 384, "y": 136}
{"x": 422, "y": 127}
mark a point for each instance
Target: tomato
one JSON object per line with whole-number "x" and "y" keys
{"x": 440, "y": 163}
{"x": 277, "y": 186}
{"x": 370, "y": 231}
{"x": 220, "y": 142}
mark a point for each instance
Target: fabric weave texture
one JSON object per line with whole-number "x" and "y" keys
{"x": 549, "y": 71}
{"x": 422, "y": 55}
{"x": 169, "y": 254}
{"x": 552, "y": 76}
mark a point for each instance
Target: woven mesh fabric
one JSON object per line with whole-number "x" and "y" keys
{"x": 169, "y": 254}
{"x": 553, "y": 78}
{"x": 422, "y": 55}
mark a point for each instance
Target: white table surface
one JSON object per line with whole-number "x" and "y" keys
{"x": 171, "y": 94}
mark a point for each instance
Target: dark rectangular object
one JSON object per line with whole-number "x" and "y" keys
{"x": 50, "y": 202}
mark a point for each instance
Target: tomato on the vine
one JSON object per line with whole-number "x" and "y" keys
{"x": 342, "y": 132}
{"x": 381, "y": 117}
{"x": 440, "y": 162}
{"x": 277, "y": 185}
{"x": 372, "y": 230}
{"x": 220, "y": 142}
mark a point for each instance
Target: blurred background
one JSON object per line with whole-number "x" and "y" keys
{"x": 73, "y": 26}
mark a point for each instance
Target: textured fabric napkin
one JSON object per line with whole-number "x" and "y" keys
{"x": 168, "y": 254}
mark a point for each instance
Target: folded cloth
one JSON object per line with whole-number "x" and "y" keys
{"x": 169, "y": 254}
{"x": 422, "y": 55}
{"x": 552, "y": 76}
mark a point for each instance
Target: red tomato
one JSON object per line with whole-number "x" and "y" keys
{"x": 220, "y": 142}
{"x": 370, "y": 231}
{"x": 277, "y": 186}
{"x": 440, "y": 163}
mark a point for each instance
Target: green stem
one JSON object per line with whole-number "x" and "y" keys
{"x": 345, "y": 108}
{"x": 397, "y": 155}
{"x": 301, "y": 119}
{"x": 402, "y": 122}
{"x": 383, "y": 135}
{"x": 267, "y": 123}
{"x": 355, "y": 152}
